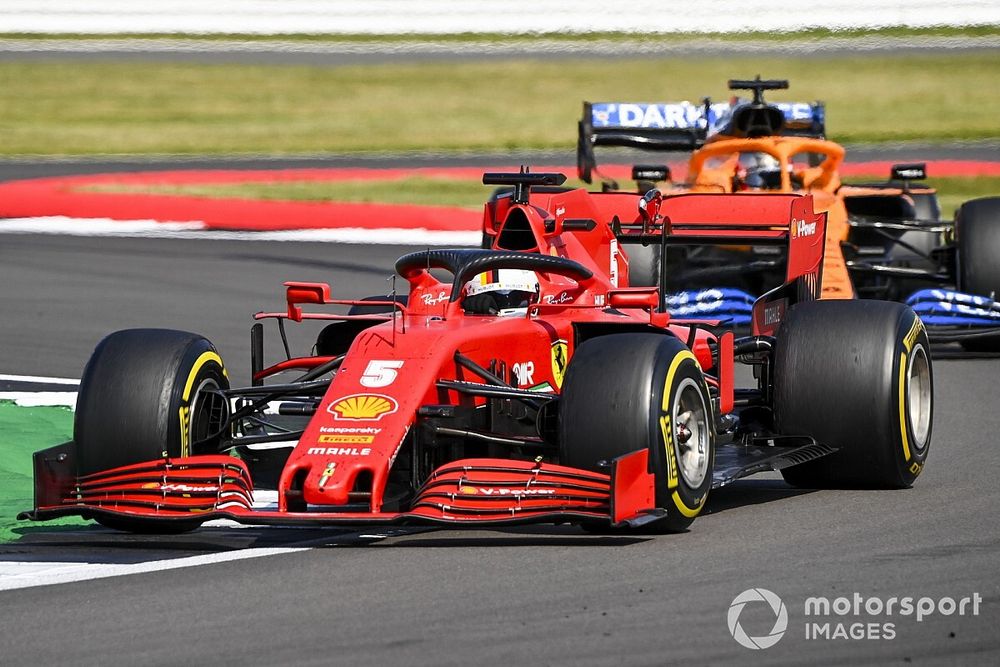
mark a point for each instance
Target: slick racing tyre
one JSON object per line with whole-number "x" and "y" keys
{"x": 147, "y": 394}
{"x": 977, "y": 233}
{"x": 643, "y": 265}
{"x": 855, "y": 375}
{"x": 625, "y": 392}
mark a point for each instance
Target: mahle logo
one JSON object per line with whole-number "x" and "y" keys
{"x": 780, "y": 618}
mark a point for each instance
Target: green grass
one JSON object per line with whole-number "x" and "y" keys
{"x": 465, "y": 193}
{"x": 420, "y": 190}
{"x": 26, "y": 430}
{"x": 99, "y": 108}
{"x": 953, "y": 191}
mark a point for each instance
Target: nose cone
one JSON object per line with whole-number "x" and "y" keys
{"x": 335, "y": 482}
{"x": 323, "y": 486}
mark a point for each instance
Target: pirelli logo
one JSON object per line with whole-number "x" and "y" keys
{"x": 347, "y": 439}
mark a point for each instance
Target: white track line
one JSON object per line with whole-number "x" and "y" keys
{"x": 30, "y": 399}
{"x": 196, "y": 231}
{"x": 14, "y": 575}
{"x": 37, "y": 379}
{"x": 38, "y": 399}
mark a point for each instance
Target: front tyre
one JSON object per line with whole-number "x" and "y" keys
{"x": 148, "y": 394}
{"x": 977, "y": 234}
{"x": 625, "y": 392}
{"x": 855, "y": 375}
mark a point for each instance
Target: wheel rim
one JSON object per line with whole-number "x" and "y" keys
{"x": 207, "y": 412}
{"x": 691, "y": 434}
{"x": 918, "y": 383}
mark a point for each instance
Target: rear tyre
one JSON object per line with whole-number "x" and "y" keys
{"x": 977, "y": 232}
{"x": 148, "y": 394}
{"x": 625, "y": 392}
{"x": 643, "y": 265}
{"x": 855, "y": 375}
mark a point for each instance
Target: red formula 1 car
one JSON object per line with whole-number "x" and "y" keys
{"x": 589, "y": 404}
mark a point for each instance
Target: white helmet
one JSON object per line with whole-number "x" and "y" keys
{"x": 759, "y": 161}
{"x": 502, "y": 280}
{"x": 763, "y": 171}
{"x": 500, "y": 292}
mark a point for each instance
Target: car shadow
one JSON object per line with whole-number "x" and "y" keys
{"x": 538, "y": 535}
{"x": 744, "y": 492}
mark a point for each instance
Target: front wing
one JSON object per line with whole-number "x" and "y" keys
{"x": 952, "y": 316}
{"x": 949, "y": 316}
{"x": 480, "y": 492}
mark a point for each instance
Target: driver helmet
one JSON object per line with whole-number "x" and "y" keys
{"x": 501, "y": 289}
{"x": 762, "y": 170}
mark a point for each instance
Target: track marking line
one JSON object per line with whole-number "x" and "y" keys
{"x": 38, "y": 379}
{"x": 29, "y": 574}
{"x": 20, "y": 574}
{"x": 196, "y": 231}
{"x": 40, "y": 399}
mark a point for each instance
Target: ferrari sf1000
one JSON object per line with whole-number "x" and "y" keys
{"x": 585, "y": 402}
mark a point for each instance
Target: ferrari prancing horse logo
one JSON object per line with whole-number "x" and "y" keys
{"x": 560, "y": 353}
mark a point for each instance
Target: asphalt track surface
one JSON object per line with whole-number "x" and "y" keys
{"x": 536, "y": 595}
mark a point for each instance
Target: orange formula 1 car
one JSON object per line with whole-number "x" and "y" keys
{"x": 884, "y": 240}
{"x": 583, "y": 401}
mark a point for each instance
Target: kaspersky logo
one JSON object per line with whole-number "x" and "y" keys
{"x": 363, "y": 407}
{"x": 757, "y": 595}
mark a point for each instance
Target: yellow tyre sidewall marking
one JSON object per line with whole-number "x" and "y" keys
{"x": 184, "y": 412}
{"x": 689, "y": 512}
{"x": 908, "y": 341}
{"x": 902, "y": 406}
{"x": 668, "y": 444}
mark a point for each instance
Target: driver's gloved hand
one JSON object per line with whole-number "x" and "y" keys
{"x": 481, "y": 304}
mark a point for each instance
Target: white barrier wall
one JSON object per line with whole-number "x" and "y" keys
{"x": 479, "y": 16}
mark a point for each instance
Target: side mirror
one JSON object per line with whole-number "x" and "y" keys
{"x": 649, "y": 206}
{"x": 296, "y": 293}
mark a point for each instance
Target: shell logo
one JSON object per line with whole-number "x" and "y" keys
{"x": 363, "y": 407}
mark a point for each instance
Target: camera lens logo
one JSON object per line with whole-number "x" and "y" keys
{"x": 780, "y": 618}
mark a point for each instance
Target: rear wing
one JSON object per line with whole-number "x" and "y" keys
{"x": 783, "y": 220}
{"x": 676, "y": 126}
